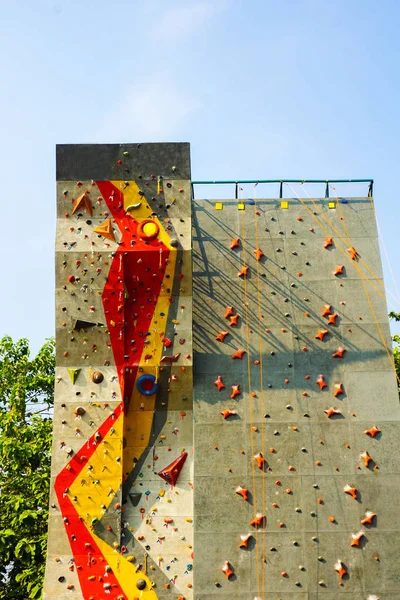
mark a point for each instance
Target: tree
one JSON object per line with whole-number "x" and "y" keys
{"x": 396, "y": 346}
{"x": 26, "y": 399}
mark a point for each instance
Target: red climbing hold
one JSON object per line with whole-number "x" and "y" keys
{"x": 242, "y": 492}
{"x": 228, "y": 413}
{"x": 260, "y": 460}
{"x": 221, "y": 336}
{"x": 234, "y": 320}
{"x": 339, "y": 353}
{"x": 219, "y": 383}
{"x": 227, "y": 570}
{"x": 228, "y": 312}
{"x": 239, "y": 354}
{"x": 338, "y": 389}
{"x": 373, "y": 431}
{"x": 339, "y": 270}
{"x": 332, "y": 319}
{"x": 235, "y": 243}
{"x": 327, "y": 310}
{"x": 332, "y": 411}
{"x": 320, "y": 381}
{"x": 243, "y": 272}
{"x": 235, "y": 391}
{"x": 258, "y": 520}
{"x": 321, "y": 334}
{"x": 259, "y": 254}
{"x": 170, "y": 473}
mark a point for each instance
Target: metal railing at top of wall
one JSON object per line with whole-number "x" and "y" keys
{"x": 281, "y": 182}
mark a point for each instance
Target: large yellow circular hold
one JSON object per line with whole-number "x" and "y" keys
{"x": 148, "y": 230}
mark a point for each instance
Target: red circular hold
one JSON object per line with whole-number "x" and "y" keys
{"x": 151, "y": 235}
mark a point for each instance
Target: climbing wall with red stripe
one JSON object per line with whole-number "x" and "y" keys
{"x": 121, "y": 506}
{"x": 296, "y": 406}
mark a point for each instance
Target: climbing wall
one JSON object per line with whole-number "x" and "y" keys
{"x": 296, "y": 408}
{"x": 121, "y": 506}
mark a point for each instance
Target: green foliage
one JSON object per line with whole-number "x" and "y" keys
{"x": 396, "y": 346}
{"x": 26, "y": 397}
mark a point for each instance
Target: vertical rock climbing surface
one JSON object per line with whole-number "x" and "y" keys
{"x": 122, "y": 499}
{"x": 296, "y": 408}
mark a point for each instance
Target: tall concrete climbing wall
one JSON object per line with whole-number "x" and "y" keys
{"x": 121, "y": 494}
{"x": 296, "y": 410}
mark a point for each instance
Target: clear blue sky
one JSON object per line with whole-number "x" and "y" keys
{"x": 261, "y": 89}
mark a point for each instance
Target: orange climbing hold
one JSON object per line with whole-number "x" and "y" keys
{"x": 339, "y": 352}
{"x": 105, "y": 229}
{"x": 328, "y": 242}
{"x": 227, "y": 570}
{"x": 259, "y": 254}
{"x": 234, "y": 320}
{"x": 228, "y": 413}
{"x": 339, "y": 270}
{"x": 327, "y": 310}
{"x": 244, "y": 540}
{"x": 373, "y": 431}
{"x": 83, "y": 203}
{"x": 340, "y": 569}
{"x": 338, "y": 389}
{"x": 369, "y": 518}
{"x": 171, "y": 473}
{"x": 235, "y": 243}
{"x": 260, "y": 460}
{"x": 228, "y": 312}
{"x": 235, "y": 391}
{"x": 356, "y": 538}
{"x": 321, "y": 382}
{"x": 242, "y": 492}
{"x": 219, "y": 383}
{"x": 321, "y": 334}
{"x": 366, "y": 458}
{"x": 258, "y": 520}
{"x": 352, "y": 491}
{"x": 331, "y": 412}
{"x": 332, "y": 319}
{"x": 221, "y": 336}
{"x": 239, "y": 354}
{"x": 243, "y": 272}
{"x": 353, "y": 253}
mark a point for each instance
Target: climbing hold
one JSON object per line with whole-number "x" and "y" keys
{"x": 356, "y": 538}
{"x": 170, "y": 473}
{"x": 258, "y": 520}
{"x": 219, "y": 383}
{"x": 141, "y": 584}
{"x": 105, "y": 229}
{"x": 332, "y": 319}
{"x": 328, "y": 242}
{"x": 228, "y": 312}
{"x": 339, "y": 352}
{"x": 320, "y": 381}
{"x": 327, "y": 310}
{"x": 339, "y": 270}
{"x": 366, "y": 458}
{"x": 227, "y": 570}
{"x": 235, "y": 243}
{"x": 221, "y": 336}
{"x": 239, "y": 354}
{"x": 170, "y": 359}
{"x": 352, "y": 491}
{"x": 73, "y": 373}
{"x": 97, "y": 377}
{"x": 373, "y": 431}
{"x": 259, "y": 254}
{"x": 340, "y": 568}
{"x": 79, "y": 411}
{"x": 147, "y": 384}
{"x": 235, "y": 391}
{"x": 369, "y": 518}
{"x": 332, "y": 411}
{"x": 228, "y": 413}
{"x": 244, "y": 540}
{"x": 242, "y": 492}
{"x": 83, "y": 203}
{"x": 234, "y": 320}
{"x": 338, "y": 389}
{"x": 260, "y": 460}
{"x": 353, "y": 253}
{"x": 243, "y": 272}
{"x": 79, "y": 324}
{"x": 148, "y": 230}
{"x": 321, "y": 334}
